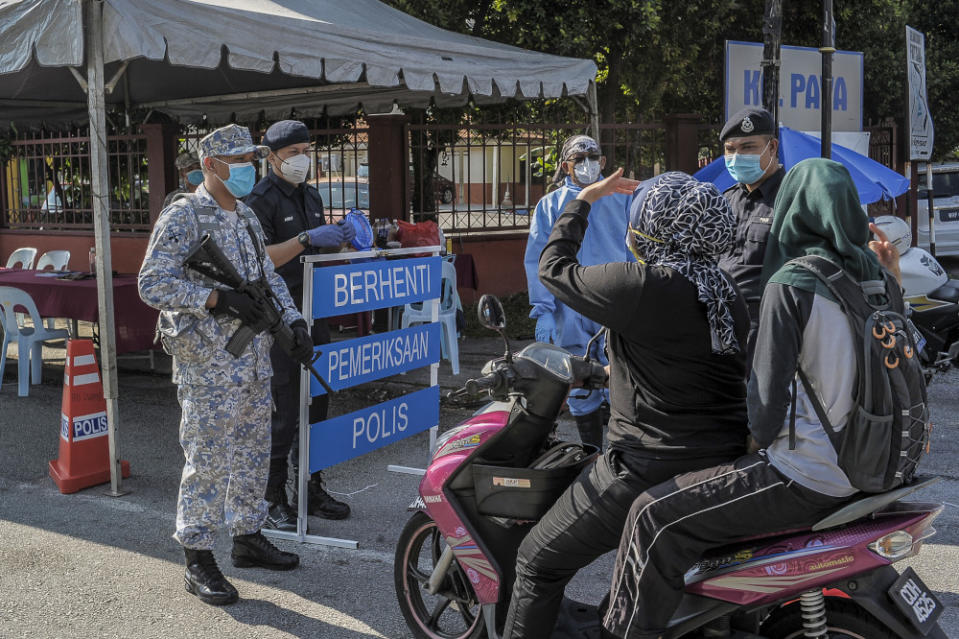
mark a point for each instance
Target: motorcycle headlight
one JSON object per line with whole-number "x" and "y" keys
{"x": 894, "y": 546}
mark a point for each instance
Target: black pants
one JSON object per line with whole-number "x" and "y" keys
{"x": 584, "y": 523}
{"x": 753, "y": 308}
{"x": 671, "y": 525}
{"x": 285, "y": 422}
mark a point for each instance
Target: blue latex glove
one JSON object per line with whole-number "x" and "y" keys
{"x": 327, "y": 236}
{"x": 348, "y": 231}
{"x": 545, "y": 329}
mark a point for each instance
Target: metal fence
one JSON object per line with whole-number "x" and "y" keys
{"x": 46, "y": 183}
{"x": 471, "y": 177}
{"x": 883, "y": 149}
{"x": 474, "y": 177}
{"x": 340, "y": 168}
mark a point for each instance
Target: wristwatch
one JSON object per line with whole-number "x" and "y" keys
{"x": 304, "y": 239}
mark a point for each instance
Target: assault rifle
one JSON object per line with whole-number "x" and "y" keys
{"x": 207, "y": 259}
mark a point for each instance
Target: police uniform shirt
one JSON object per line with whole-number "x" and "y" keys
{"x": 285, "y": 210}
{"x": 754, "y": 217}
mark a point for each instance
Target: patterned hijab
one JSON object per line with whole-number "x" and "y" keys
{"x": 679, "y": 222}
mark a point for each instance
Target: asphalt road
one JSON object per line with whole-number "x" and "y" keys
{"x": 88, "y": 565}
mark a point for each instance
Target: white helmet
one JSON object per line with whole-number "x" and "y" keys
{"x": 897, "y": 230}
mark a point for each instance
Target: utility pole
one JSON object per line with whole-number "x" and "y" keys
{"x": 827, "y": 49}
{"x": 772, "y": 39}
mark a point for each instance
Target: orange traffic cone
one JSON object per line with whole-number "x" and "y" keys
{"x": 84, "y": 449}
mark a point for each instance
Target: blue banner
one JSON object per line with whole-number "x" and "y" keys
{"x": 364, "y": 359}
{"x": 351, "y": 288}
{"x": 347, "y": 436}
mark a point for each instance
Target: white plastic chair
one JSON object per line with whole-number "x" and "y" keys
{"x": 59, "y": 260}
{"x": 422, "y": 313}
{"x": 22, "y": 256}
{"x": 30, "y": 339}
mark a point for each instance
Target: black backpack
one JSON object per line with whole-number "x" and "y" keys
{"x": 886, "y": 432}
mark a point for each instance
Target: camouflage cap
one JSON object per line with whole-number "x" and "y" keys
{"x": 186, "y": 160}
{"x": 231, "y": 139}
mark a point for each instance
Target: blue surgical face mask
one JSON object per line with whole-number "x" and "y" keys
{"x": 241, "y": 180}
{"x": 746, "y": 167}
{"x": 195, "y": 177}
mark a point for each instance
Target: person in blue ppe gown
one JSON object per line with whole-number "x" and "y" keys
{"x": 581, "y": 164}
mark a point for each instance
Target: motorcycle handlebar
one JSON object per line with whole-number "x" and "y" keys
{"x": 475, "y": 386}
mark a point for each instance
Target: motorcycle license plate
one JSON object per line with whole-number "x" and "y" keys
{"x": 917, "y": 337}
{"x": 916, "y": 601}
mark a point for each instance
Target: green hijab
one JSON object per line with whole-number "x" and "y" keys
{"x": 817, "y": 212}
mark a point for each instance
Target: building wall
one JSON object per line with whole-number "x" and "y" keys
{"x": 498, "y": 260}
{"x": 126, "y": 252}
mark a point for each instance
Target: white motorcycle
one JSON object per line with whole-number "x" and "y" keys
{"x": 933, "y": 298}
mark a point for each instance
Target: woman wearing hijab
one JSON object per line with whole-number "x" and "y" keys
{"x": 817, "y": 212}
{"x": 677, "y": 326}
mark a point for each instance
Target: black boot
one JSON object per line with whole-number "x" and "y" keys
{"x": 204, "y": 579}
{"x": 321, "y": 503}
{"x": 591, "y": 428}
{"x": 256, "y": 551}
{"x": 280, "y": 516}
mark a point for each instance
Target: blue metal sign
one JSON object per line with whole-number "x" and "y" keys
{"x": 347, "y": 436}
{"x": 364, "y": 359}
{"x": 351, "y": 288}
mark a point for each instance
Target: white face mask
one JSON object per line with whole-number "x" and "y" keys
{"x": 296, "y": 168}
{"x": 586, "y": 171}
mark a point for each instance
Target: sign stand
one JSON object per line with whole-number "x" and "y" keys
{"x": 434, "y": 380}
{"x": 309, "y": 261}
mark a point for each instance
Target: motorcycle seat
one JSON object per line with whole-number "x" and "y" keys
{"x": 948, "y": 292}
{"x": 868, "y": 504}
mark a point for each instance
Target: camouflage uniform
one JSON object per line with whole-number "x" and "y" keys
{"x": 225, "y": 400}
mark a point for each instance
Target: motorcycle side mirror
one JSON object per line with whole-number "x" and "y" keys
{"x": 492, "y": 316}
{"x": 491, "y": 313}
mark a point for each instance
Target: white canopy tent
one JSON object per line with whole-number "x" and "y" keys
{"x": 216, "y": 60}
{"x": 224, "y": 57}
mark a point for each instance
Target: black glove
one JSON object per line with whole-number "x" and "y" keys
{"x": 302, "y": 352}
{"x": 239, "y": 305}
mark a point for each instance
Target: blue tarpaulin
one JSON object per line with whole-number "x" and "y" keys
{"x": 873, "y": 180}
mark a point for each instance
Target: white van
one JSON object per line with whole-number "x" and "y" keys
{"x": 945, "y": 183}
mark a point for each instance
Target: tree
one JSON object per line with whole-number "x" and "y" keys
{"x": 657, "y": 57}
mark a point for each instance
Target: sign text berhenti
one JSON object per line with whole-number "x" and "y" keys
{"x": 352, "y": 288}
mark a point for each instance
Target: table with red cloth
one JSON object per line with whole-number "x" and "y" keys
{"x": 77, "y": 299}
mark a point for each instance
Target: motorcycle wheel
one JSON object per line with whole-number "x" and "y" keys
{"x": 454, "y": 611}
{"x": 844, "y": 620}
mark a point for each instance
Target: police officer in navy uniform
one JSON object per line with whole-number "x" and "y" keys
{"x": 291, "y": 213}
{"x": 752, "y": 158}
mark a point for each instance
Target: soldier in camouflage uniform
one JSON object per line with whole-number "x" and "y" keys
{"x": 225, "y": 400}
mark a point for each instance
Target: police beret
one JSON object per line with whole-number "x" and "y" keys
{"x": 749, "y": 121}
{"x": 284, "y": 133}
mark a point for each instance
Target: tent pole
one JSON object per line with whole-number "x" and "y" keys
{"x": 100, "y": 188}
{"x": 593, "y": 110}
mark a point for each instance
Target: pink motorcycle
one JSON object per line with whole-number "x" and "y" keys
{"x": 498, "y": 472}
